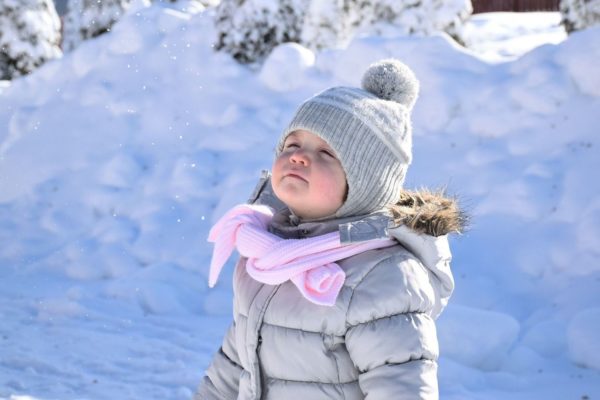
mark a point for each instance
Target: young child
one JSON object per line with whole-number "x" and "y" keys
{"x": 342, "y": 272}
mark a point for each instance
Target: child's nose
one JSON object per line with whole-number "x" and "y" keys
{"x": 299, "y": 156}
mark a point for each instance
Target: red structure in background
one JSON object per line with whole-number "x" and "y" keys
{"x": 482, "y": 6}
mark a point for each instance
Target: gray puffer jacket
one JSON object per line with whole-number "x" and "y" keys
{"x": 378, "y": 341}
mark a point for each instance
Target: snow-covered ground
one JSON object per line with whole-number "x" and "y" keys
{"x": 504, "y": 36}
{"x": 116, "y": 159}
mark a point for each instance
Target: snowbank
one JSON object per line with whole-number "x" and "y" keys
{"x": 584, "y": 348}
{"x": 477, "y": 338}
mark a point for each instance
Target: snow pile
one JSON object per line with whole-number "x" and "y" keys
{"x": 584, "y": 347}
{"x": 116, "y": 160}
{"x": 477, "y": 338}
{"x": 284, "y": 65}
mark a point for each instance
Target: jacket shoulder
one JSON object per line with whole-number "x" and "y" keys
{"x": 387, "y": 282}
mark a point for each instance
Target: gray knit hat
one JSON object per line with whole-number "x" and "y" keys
{"x": 370, "y": 131}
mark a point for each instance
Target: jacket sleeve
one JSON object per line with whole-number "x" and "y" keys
{"x": 391, "y": 336}
{"x": 221, "y": 381}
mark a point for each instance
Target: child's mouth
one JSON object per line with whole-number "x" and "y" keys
{"x": 293, "y": 175}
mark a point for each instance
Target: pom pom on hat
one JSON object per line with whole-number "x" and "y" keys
{"x": 392, "y": 80}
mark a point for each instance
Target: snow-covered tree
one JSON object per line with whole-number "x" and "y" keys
{"x": 579, "y": 14}
{"x": 423, "y": 17}
{"x": 331, "y": 24}
{"x": 205, "y": 3}
{"x": 29, "y": 36}
{"x": 249, "y": 29}
{"x": 87, "y": 19}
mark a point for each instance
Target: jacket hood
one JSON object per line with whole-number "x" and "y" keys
{"x": 422, "y": 221}
{"x": 427, "y": 212}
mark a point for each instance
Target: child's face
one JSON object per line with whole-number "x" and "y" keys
{"x": 308, "y": 177}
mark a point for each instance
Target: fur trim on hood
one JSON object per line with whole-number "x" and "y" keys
{"x": 429, "y": 212}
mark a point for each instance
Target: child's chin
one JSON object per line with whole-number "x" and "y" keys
{"x": 300, "y": 209}
{"x": 291, "y": 192}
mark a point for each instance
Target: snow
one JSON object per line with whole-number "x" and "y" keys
{"x": 500, "y": 36}
{"x": 582, "y": 337}
{"x": 116, "y": 159}
{"x": 284, "y": 65}
{"x": 477, "y": 338}
{"x": 576, "y": 61}
{"x": 86, "y": 19}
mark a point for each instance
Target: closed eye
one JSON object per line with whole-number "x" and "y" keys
{"x": 327, "y": 152}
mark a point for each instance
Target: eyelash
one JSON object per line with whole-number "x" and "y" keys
{"x": 327, "y": 152}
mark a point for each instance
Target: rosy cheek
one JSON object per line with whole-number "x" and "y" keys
{"x": 278, "y": 165}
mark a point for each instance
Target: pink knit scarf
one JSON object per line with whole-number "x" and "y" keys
{"x": 309, "y": 263}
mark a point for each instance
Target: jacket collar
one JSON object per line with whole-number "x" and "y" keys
{"x": 352, "y": 229}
